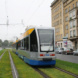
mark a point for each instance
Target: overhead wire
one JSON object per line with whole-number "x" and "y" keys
{"x": 28, "y": 10}
{"x": 6, "y": 13}
{"x": 30, "y": 5}
{"x": 36, "y": 10}
{"x": 26, "y": 27}
{"x": 6, "y": 10}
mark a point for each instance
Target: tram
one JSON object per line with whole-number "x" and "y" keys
{"x": 36, "y": 46}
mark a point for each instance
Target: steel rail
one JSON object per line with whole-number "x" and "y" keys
{"x": 42, "y": 73}
{"x": 65, "y": 71}
{"x": 2, "y": 55}
{"x": 14, "y": 71}
{"x": 39, "y": 71}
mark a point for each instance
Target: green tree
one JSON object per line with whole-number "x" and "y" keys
{"x": 5, "y": 43}
{"x": 0, "y": 43}
{"x": 10, "y": 44}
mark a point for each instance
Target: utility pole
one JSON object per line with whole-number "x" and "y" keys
{"x": 7, "y": 21}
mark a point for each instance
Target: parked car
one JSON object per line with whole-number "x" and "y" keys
{"x": 59, "y": 50}
{"x": 67, "y": 51}
{"x": 75, "y": 52}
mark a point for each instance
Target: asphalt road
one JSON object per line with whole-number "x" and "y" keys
{"x": 69, "y": 58}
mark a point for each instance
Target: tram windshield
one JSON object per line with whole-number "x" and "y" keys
{"x": 46, "y": 38}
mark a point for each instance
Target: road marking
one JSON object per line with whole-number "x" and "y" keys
{"x": 1, "y": 55}
{"x": 14, "y": 71}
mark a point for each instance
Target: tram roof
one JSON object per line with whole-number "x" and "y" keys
{"x": 29, "y": 31}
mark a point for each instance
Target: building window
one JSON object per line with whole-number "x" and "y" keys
{"x": 56, "y": 23}
{"x": 71, "y": 24}
{"x": 67, "y": 35}
{"x": 60, "y": 13}
{"x": 61, "y": 35}
{"x": 74, "y": 23}
{"x": 66, "y": 10}
{"x": 66, "y": 27}
{"x": 69, "y": 8}
{"x": 77, "y": 4}
{"x": 56, "y": 9}
{"x": 57, "y": 30}
{"x": 74, "y": 33}
{"x": 73, "y": 6}
{"x": 71, "y": 33}
{"x": 74, "y": 13}
{"x": 56, "y": 16}
{"x": 70, "y": 15}
{"x": 60, "y": 21}
{"x": 66, "y": 19}
{"x": 60, "y": 5}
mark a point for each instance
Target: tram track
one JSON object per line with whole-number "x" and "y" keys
{"x": 39, "y": 71}
{"x": 46, "y": 76}
{"x": 2, "y": 55}
{"x": 42, "y": 73}
{"x": 62, "y": 70}
{"x": 65, "y": 71}
{"x": 14, "y": 70}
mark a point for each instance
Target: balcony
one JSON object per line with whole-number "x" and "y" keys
{"x": 72, "y": 18}
{"x": 74, "y": 37}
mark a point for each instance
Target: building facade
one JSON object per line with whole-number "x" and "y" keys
{"x": 69, "y": 26}
{"x": 57, "y": 21}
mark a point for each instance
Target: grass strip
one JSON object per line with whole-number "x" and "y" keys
{"x": 1, "y": 52}
{"x": 24, "y": 70}
{"x": 54, "y": 73}
{"x": 5, "y": 67}
{"x": 72, "y": 67}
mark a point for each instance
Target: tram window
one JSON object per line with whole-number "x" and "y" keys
{"x": 16, "y": 46}
{"x": 22, "y": 43}
{"x": 46, "y": 38}
{"x": 33, "y": 42}
{"x": 26, "y": 43}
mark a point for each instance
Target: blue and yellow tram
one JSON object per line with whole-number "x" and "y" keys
{"x": 36, "y": 46}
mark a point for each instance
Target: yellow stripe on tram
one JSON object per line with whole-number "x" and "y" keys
{"x": 28, "y": 32}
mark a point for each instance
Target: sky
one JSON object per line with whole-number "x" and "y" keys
{"x": 23, "y": 13}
